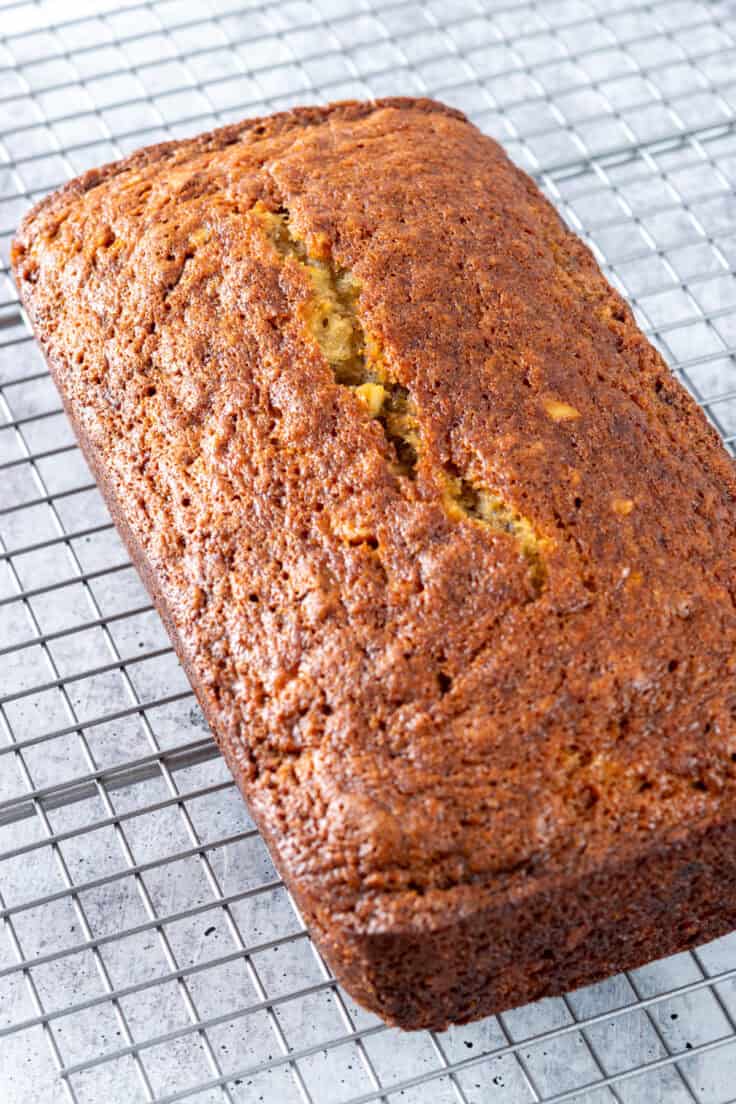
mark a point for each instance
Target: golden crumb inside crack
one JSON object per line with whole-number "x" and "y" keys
{"x": 356, "y": 360}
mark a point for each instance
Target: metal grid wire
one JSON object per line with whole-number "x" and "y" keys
{"x": 148, "y": 950}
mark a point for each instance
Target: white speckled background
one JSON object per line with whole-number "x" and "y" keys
{"x": 147, "y": 950}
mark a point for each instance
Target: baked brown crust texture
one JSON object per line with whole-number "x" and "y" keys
{"x": 446, "y": 552}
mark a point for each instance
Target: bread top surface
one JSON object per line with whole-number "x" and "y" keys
{"x": 446, "y": 550}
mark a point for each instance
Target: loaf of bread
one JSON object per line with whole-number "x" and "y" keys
{"x": 446, "y": 552}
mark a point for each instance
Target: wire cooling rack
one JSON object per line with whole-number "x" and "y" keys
{"x": 148, "y": 950}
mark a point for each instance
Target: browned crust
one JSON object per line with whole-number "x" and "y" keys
{"x": 261, "y": 127}
{"x": 564, "y": 936}
{"x": 652, "y": 875}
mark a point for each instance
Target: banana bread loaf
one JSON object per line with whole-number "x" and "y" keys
{"x": 446, "y": 552}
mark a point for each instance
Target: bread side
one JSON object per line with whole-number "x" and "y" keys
{"x": 444, "y": 549}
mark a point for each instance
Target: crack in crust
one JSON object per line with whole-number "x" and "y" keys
{"x": 357, "y": 362}
{"x": 468, "y": 499}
